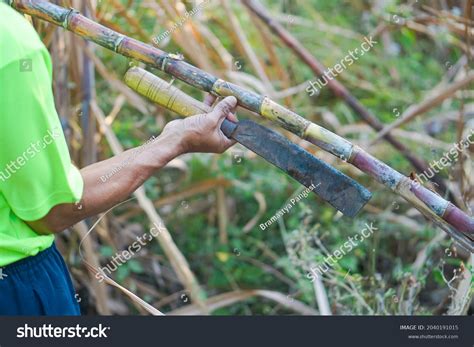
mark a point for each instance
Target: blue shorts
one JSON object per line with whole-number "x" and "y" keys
{"x": 37, "y": 286}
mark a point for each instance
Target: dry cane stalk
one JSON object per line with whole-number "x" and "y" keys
{"x": 444, "y": 214}
{"x": 178, "y": 261}
{"x": 427, "y": 104}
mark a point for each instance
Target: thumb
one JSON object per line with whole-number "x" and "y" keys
{"x": 223, "y": 108}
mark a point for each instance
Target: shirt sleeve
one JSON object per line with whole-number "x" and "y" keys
{"x": 36, "y": 172}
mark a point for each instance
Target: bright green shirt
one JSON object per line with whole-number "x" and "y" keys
{"x": 36, "y": 172}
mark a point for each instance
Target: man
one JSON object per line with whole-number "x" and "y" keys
{"x": 39, "y": 185}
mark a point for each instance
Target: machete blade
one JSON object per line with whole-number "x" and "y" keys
{"x": 339, "y": 190}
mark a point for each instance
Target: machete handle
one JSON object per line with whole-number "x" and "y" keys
{"x": 228, "y": 128}
{"x": 170, "y": 97}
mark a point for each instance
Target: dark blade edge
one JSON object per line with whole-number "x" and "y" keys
{"x": 339, "y": 190}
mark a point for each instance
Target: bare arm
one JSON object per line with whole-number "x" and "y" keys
{"x": 200, "y": 133}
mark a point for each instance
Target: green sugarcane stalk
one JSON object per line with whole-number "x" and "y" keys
{"x": 450, "y": 218}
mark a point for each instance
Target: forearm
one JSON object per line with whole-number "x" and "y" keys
{"x": 110, "y": 182}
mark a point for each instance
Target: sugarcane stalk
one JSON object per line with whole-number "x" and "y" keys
{"x": 337, "y": 87}
{"x": 443, "y": 213}
{"x": 164, "y": 94}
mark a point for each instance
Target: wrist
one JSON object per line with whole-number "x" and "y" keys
{"x": 167, "y": 147}
{"x": 176, "y": 136}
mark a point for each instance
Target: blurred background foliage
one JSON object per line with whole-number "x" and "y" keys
{"x": 213, "y": 204}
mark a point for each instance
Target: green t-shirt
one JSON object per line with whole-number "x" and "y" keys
{"x": 36, "y": 172}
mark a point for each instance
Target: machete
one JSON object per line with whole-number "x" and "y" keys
{"x": 339, "y": 190}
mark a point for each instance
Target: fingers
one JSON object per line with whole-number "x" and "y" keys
{"x": 209, "y": 99}
{"x": 232, "y": 117}
{"x": 224, "y": 108}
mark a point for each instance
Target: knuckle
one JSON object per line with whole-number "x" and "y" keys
{"x": 174, "y": 125}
